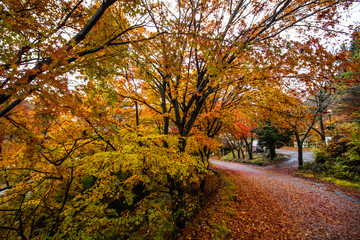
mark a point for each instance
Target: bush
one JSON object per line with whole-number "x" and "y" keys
{"x": 341, "y": 157}
{"x": 136, "y": 192}
{"x": 321, "y": 157}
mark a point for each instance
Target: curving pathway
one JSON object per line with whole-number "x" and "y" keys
{"x": 292, "y": 158}
{"x": 272, "y": 205}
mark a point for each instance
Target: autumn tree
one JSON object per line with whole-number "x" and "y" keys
{"x": 237, "y": 133}
{"x": 351, "y": 63}
{"x": 37, "y": 167}
{"x": 207, "y": 41}
{"x": 45, "y": 139}
{"x": 302, "y": 121}
{"x": 302, "y": 118}
{"x": 322, "y": 100}
{"x": 41, "y": 41}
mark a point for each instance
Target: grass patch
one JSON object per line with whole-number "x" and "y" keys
{"x": 229, "y": 157}
{"x": 342, "y": 182}
{"x": 336, "y": 181}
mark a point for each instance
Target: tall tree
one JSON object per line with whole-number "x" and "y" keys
{"x": 237, "y": 132}
{"x": 322, "y": 100}
{"x": 207, "y": 40}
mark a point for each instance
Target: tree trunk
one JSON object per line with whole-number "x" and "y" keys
{"x": 238, "y": 153}
{"x": 322, "y": 129}
{"x": 272, "y": 153}
{"x": 182, "y": 144}
{"x": 300, "y": 150}
{"x": 177, "y": 193}
{"x": 233, "y": 153}
{"x": 205, "y": 156}
{"x": 207, "y": 159}
{"x": 137, "y": 113}
{"x": 249, "y": 147}
{"x": 300, "y": 156}
{"x": 243, "y": 153}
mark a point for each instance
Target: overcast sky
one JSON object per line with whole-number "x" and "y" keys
{"x": 353, "y": 19}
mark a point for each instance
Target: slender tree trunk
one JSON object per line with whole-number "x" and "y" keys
{"x": 164, "y": 110}
{"x": 300, "y": 156}
{"x": 207, "y": 159}
{"x": 251, "y": 156}
{"x": 242, "y": 151}
{"x": 205, "y": 156}
{"x": 180, "y": 207}
{"x": 238, "y": 153}
{"x": 300, "y": 150}
{"x": 249, "y": 147}
{"x": 137, "y": 113}
{"x": 182, "y": 144}
{"x": 322, "y": 129}
{"x": 178, "y": 195}
{"x": 233, "y": 153}
{"x": 300, "y": 141}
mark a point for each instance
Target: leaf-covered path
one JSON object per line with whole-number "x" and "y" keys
{"x": 267, "y": 204}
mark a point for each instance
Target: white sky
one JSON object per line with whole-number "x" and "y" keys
{"x": 352, "y": 19}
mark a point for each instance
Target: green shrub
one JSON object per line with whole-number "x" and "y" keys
{"x": 258, "y": 161}
{"x": 279, "y": 158}
{"x": 321, "y": 157}
{"x": 341, "y": 157}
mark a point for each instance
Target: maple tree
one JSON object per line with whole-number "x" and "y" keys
{"x": 322, "y": 100}
{"x": 204, "y": 56}
{"x": 302, "y": 118}
{"x": 41, "y": 40}
{"x": 237, "y": 133}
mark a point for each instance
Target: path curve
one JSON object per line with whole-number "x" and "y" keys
{"x": 271, "y": 204}
{"x": 292, "y": 158}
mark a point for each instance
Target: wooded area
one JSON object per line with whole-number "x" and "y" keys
{"x": 111, "y": 109}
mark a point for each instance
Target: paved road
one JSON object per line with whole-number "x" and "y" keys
{"x": 292, "y": 158}
{"x": 271, "y": 204}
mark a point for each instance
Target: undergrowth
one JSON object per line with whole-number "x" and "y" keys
{"x": 339, "y": 161}
{"x": 210, "y": 221}
{"x": 324, "y": 177}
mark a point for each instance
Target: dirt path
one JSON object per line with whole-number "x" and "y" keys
{"x": 270, "y": 205}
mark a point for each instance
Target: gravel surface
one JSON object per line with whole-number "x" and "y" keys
{"x": 271, "y": 204}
